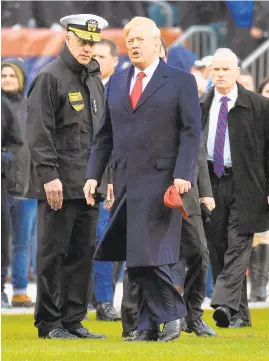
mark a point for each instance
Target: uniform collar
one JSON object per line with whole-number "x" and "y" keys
{"x": 66, "y": 56}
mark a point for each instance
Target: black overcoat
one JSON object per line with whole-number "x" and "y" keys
{"x": 248, "y": 124}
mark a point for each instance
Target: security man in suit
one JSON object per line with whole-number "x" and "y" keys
{"x": 65, "y": 103}
{"x": 237, "y": 141}
{"x": 106, "y": 53}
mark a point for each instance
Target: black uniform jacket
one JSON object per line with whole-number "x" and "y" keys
{"x": 65, "y": 104}
{"x": 202, "y": 184}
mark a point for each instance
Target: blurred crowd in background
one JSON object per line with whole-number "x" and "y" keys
{"x": 242, "y": 26}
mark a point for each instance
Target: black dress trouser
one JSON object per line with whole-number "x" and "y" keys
{"x": 160, "y": 301}
{"x": 229, "y": 250}
{"x": 193, "y": 250}
{"x": 66, "y": 244}
{"x": 259, "y": 271}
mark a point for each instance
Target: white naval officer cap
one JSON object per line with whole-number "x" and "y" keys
{"x": 85, "y": 26}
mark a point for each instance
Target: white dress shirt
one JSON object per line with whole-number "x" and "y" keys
{"x": 105, "y": 81}
{"x": 213, "y": 121}
{"x": 149, "y": 71}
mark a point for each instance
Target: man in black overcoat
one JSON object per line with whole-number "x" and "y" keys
{"x": 236, "y": 123}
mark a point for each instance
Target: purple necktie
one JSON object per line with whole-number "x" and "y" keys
{"x": 218, "y": 156}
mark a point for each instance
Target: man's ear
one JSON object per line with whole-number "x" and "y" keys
{"x": 156, "y": 47}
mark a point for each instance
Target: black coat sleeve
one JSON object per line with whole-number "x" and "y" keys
{"x": 102, "y": 146}
{"x": 11, "y": 141}
{"x": 109, "y": 175}
{"x": 266, "y": 137}
{"x": 10, "y": 127}
{"x": 43, "y": 100}
{"x": 203, "y": 182}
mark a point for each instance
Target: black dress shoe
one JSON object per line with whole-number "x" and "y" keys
{"x": 86, "y": 317}
{"x": 200, "y": 328}
{"x": 105, "y": 311}
{"x": 127, "y": 335}
{"x": 90, "y": 307}
{"x": 143, "y": 335}
{"x": 59, "y": 333}
{"x": 171, "y": 330}
{"x": 222, "y": 316}
{"x": 82, "y": 332}
{"x": 238, "y": 323}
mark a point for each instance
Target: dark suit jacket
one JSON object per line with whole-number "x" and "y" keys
{"x": 202, "y": 187}
{"x": 248, "y": 124}
{"x": 150, "y": 145}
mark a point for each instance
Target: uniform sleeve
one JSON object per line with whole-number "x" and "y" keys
{"x": 190, "y": 133}
{"x": 43, "y": 101}
{"x": 102, "y": 146}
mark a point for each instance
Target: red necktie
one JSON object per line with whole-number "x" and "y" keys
{"x": 137, "y": 89}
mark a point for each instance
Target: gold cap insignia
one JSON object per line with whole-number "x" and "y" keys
{"x": 92, "y": 25}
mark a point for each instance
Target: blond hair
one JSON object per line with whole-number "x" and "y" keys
{"x": 18, "y": 72}
{"x": 143, "y": 21}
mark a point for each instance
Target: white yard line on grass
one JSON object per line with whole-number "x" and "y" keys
{"x": 31, "y": 291}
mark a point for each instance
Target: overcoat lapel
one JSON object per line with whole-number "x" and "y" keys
{"x": 158, "y": 79}
{"x": 125, "y": 89}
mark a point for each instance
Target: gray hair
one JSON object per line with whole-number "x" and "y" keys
{"x": 227, "y": 51}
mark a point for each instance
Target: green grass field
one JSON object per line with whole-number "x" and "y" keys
{"x": 20, "y": 343}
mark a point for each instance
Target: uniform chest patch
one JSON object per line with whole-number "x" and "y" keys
{"x": 76, "y": 101}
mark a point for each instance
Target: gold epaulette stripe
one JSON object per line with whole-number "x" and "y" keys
{"x": 87, "y": 35}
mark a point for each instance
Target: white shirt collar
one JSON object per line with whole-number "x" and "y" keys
{"x": 149, "y": 70}
{"x": 232, "y": 95}
{"x": 105, "y": 81}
